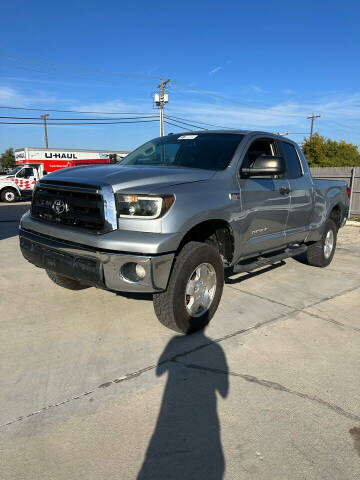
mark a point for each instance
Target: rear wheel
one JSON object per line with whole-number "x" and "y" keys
{"x": 9, "y": 195}
{"x": 321, "y": 253}
{"x": 66, "y": 282}
{"x": 194, "y": 290}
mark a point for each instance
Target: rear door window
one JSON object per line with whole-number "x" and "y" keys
{"x": 292, "y": 161}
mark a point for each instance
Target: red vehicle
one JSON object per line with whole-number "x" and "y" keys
{"x": 33, "y": 163}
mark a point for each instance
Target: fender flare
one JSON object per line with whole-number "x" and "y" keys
{"x": 13, "y": 186}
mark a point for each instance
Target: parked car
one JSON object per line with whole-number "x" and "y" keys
{"x": 177, "y": 213}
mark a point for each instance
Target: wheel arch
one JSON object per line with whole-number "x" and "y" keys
{"x": 9, "y": 187}
{"x": 215, "y": 232}
{"x": 336, "y": 214}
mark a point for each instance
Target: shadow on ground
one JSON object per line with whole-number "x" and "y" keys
{"x": 355, "y": 433}
{"x": 10, "y": 215}
{"x": 8, "y": 229}
{"x": 186, "y": 442}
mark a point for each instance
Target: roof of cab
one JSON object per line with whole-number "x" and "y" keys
{"x": 238, "y": 132}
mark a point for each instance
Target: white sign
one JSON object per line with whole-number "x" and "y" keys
{"x": 187, "y": 137}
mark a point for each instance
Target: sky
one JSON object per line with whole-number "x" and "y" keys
{"x": 258, "y": 66}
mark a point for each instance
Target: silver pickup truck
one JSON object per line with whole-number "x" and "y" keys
{"x": 180, "y": 213}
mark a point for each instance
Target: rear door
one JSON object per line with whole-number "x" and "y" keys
{"x": 301, "y": 194}
{"x": 265, "y": 203}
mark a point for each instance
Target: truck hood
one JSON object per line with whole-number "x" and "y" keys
{"x": 124, "y": 178}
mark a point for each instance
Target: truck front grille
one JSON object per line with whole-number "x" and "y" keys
{"x": 69, "y": 204}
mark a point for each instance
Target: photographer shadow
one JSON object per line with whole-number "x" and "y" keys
{"x": 186, "y": 442}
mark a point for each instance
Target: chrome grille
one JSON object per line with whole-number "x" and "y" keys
{"x": 82, "y": 206}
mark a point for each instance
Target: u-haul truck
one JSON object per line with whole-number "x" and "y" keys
{"x": 33, "y": 163}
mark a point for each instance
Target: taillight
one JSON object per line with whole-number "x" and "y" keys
{"x": 348, "y": 192}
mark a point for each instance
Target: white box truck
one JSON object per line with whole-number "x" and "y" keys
{"x": 33, "y": 163}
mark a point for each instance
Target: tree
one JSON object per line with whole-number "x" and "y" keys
{"x": 7, "y": 159}
{"x": 323, "y": 152}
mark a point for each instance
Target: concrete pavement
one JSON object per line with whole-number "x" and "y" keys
{"x": 93, "y": 387}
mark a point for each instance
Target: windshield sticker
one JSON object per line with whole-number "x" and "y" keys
{"x": 187, "y": 137}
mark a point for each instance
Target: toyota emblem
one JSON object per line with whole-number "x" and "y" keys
{"x": 59, "y": 207}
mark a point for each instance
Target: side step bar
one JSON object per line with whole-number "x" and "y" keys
{"x": 270, "y": 260}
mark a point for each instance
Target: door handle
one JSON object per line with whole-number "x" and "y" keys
{"x": 284, "y": 190}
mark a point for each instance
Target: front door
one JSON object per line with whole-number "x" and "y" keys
{"x": 25, "y": 179}
{"x": 265, "y": 204}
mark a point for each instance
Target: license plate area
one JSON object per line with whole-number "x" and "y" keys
{"x": 82, "y": 268}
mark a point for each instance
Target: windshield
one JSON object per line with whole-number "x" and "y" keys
{"x": 15, "y": 170}
{"x": 207, "y": 151}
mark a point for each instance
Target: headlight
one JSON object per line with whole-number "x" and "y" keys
{"x": 143, "y": 206}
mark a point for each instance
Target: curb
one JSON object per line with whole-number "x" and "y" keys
{"x": 351, "y": 223}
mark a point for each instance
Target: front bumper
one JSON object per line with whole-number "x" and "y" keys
{"x": 95, "y": 267}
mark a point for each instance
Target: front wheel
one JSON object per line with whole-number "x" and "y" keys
{"x": 194, "y": 290}
{"x": 320, "y": 254}
{"x": 9, "y": 195}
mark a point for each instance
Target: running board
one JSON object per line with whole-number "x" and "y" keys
{"x": 266, "y": 261}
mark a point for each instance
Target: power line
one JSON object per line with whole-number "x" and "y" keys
{"x": 341, "y": 124}
{"x": 74, "y": 123}
{"x": 232, "y": 100}
{"x": 186, "y": 123}
{"x": 82, "y": 119}
{"x": 189, "y": 87}
{"x": 197, "y": 121}
{"x": 257, "y": 109}
{"x": 73, "y": 111}
{"x": 174, "y": 125}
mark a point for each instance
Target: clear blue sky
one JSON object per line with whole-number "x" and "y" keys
{"x": 283, "y": 60}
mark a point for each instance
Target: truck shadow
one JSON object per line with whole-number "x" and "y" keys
{"x": 186, "y": 442}
{"x": 135, "y": 296}
{"x": 10, "y": 215}
{"x": 8, "y": 229}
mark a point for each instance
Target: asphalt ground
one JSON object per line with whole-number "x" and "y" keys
{"x": 93, "y": 387}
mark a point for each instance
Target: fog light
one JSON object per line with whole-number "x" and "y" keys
{"x": 140, "y": 270}
{"x": 132, "y": 272}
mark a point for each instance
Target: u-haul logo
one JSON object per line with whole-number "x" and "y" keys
{"x": 69, "y": 156}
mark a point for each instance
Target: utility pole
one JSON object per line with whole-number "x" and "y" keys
{"x": 160, "y": 100}
{"x": 312, "y": 116}
{"x": 45, "y": 128}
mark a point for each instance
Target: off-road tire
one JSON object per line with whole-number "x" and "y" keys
{"x": 5, "y": 198}
{"x": 315, "y": 252}
{"x": 66, "y": 282}
{"x": 170, "y": 305}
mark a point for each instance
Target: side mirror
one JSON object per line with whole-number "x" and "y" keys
{"x": 265, "y": 166}
{"x": 44, "y": 172}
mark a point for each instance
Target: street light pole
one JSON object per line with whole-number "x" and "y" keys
{"x": 45, "y": 128}
{"x": 160, "y": 100}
